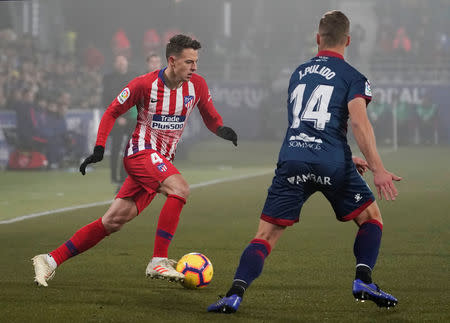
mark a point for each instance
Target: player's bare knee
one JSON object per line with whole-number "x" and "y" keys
{"x": 372, "y": 212}
{"x": 271, "y": 236}
{"x": 264, "y": 235}
{"x": 114, "y": 223}
{"x": 120, "y": 213}
{"x": 110, "y": 225}
{"x": 269, "y": 232}
{"x": 175, "y": 185}
{"x": 183, "y": 191}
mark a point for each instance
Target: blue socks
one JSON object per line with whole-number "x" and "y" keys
{"x": 250, "y": 266}
{"x": 365, "y": 249}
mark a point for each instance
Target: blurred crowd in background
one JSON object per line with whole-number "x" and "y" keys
{"x": 266, "y": 41}
{"x": 24, "y": 68}
{"x": 412, "y": 42}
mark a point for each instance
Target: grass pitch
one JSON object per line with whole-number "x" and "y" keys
{"x": 307, "y": 277}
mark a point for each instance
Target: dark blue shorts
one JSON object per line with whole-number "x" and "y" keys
{"x": 296, "y": 181}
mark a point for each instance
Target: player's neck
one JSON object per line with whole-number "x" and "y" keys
{"x": 340, "y": 49}
{"x": 170, "y": 79}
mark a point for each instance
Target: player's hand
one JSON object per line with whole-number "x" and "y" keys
{"x": 383, "y": 181}
{"x": 227, "y": 133}
{"x": 361, "y": 165}
{"x": 94, "y": 158}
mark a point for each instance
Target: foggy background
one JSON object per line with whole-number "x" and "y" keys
{"x": 57, "y": 53}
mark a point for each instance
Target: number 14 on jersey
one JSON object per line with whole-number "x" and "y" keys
{"x": 316, "y": 109}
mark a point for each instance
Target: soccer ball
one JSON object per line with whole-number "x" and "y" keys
{"x": 197, "y": 269}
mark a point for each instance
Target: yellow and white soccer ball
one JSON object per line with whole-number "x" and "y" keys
{"x": 197, "y": 269}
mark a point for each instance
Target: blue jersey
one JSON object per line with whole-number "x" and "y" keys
{"x": 319, "y": 91}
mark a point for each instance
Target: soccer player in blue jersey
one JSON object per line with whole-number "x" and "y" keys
{"x": 323, "y": 94}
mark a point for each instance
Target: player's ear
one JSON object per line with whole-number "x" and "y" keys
{"x": 171, "y": 60}
{"x": 348, "y": 41}
{"x": 318, "y": 39}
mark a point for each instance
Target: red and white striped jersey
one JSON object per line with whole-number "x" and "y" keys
{"x": 162, "y": 112}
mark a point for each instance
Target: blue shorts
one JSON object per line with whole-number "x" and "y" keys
{"x": 296, "y": 181}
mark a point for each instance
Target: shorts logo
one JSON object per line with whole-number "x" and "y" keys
{"x": 162, "y": 167}
{"x": 358, "y": 197}
{"x": 368, "y": 90}
{"x": 310, "y": 177}
{"x": 188, "y": 101}
{"x": 124, "y": 95}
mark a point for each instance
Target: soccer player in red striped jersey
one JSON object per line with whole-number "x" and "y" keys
{"x": 164, "y": 99}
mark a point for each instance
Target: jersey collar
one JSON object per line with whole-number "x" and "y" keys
{"x": 329, "y": 53}
{"x": 161, "y": 75}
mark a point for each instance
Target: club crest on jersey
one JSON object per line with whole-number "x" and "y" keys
{"x": 368, "y": 90}
{"x": 188, "y": 101}
{"x": 124, "y": 95}
{"x": 162, "y": 167}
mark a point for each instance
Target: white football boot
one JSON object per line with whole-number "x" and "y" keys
{"x": 173, "y": 263}
{"x": 42, "y": 269}
{"x": 163, "y": 269}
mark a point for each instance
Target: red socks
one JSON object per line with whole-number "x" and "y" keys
{"x": 167, "y": 224}
{"x": 84, "y": 239}
{"x": 91, "y": 234}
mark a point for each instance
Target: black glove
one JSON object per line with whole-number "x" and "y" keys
{"x": 227, "y": 133}
{"x": 94, "y": 158}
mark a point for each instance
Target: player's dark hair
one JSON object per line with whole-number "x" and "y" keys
{"x": 179, "y": 42}
{"x": 334, "y": 28}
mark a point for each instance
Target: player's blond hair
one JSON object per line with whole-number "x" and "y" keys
{"x": 334, "y": 28}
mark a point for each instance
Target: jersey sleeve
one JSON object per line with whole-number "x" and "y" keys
{"x": 360, "y": 88}
{"x": 129, "y": 97}
{"x": 210, "y": 116}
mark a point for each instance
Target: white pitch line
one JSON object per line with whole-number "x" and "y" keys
{"x": 85, "y": 206}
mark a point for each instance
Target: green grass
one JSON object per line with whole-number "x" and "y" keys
{"x": 23, "y": 193}
{"x": 307, "y": 278}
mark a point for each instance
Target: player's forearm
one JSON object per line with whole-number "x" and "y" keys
{"x": 211, "y": 117}
{"x": 105, "y": 127}
{"x": 365, "y": 138}
{"x": 213, "y": 125}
